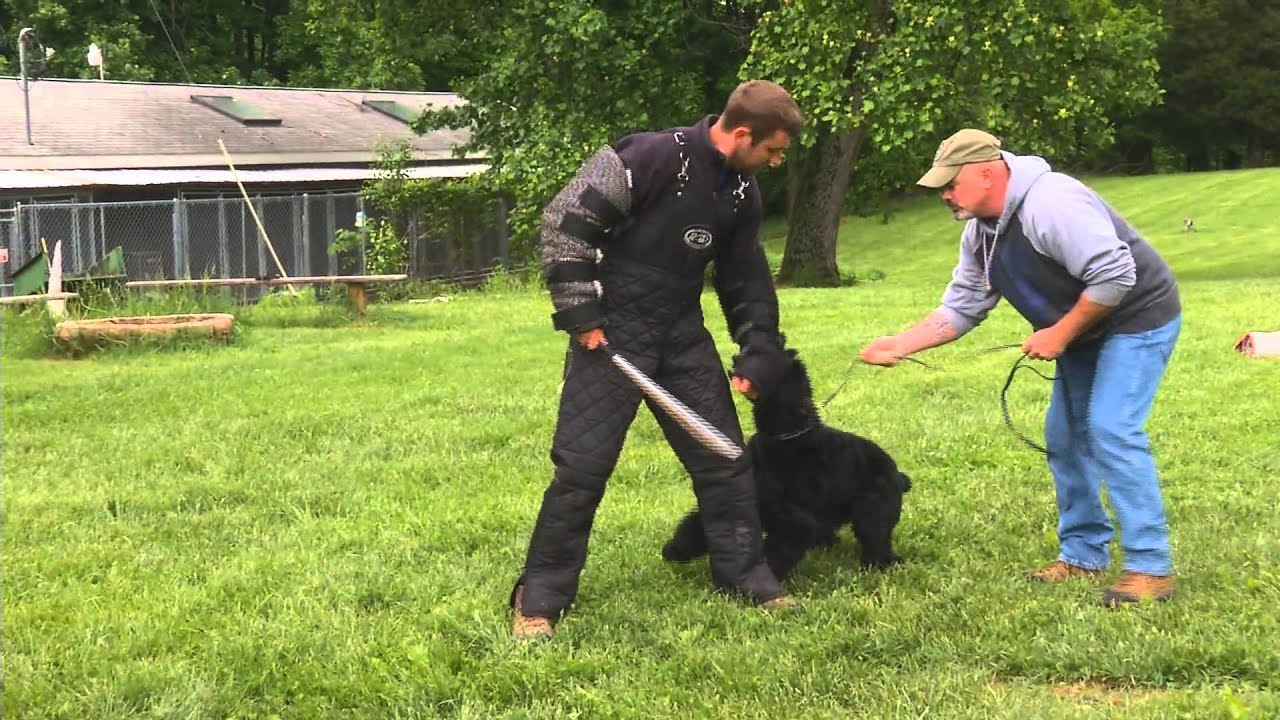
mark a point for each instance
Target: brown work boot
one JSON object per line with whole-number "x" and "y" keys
{"x": 1134, "y": 587}
{"x": 529, "y": 627}
{"x": 1061, "y": 571}
{"x": 781, "y": 603}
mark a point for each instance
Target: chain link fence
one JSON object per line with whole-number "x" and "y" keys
{"x": 464, "y": 247}
{"x": 218, "y": 238}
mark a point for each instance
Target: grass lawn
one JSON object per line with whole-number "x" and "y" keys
{"x": 323, "y": 519}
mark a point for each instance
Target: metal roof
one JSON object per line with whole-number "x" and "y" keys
{"x": 91, "y": 124}
{"x": 45, "y": 179}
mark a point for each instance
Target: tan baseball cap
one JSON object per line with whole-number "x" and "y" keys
{"x": 966, "y": 146}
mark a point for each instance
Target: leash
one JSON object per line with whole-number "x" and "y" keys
{"x": 1004, "y": 400}
{"x": 849, "y": 372}
{"x": 1004, "y": 391}
{"x": 997, "y": 348}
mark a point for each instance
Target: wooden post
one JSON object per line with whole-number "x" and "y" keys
{"x": 58, "y": 307}
{"x": 356, "y": 296}
{"x": 235, "y": 174}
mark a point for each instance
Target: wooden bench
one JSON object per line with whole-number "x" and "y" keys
{"x": 355, "y": 284}
{"x": 28, "y": 299}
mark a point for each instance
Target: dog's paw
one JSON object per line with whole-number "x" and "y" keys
{"x": 827, "y": 541}
{"x": 676, "y": 552}
{"x": 881, "y": 562}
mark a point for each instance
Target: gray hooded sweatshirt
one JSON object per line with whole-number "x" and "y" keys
{"x": 1056, "y": 240}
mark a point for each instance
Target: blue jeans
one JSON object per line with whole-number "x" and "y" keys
{"x": 1096, "y": 432}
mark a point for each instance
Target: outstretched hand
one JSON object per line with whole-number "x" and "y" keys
{"x": 882, "y": 351}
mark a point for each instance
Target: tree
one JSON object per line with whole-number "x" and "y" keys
{"x": 67, "y": 28}
{"x": 388, "y": 44}
{"x": 210, "y": 41}
{"x": 384, "y": 44}
{"x": 1221, "y": 67}
{"x": 900, "y": 76}
{"x": 566, "y": 77}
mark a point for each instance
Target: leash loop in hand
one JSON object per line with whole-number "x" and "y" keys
{"x": 1004, "y": 400}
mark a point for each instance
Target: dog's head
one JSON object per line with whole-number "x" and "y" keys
{"x": 787, "y": 406}
{"x": 793, "y": 379}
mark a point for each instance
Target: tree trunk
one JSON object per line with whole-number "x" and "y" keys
{"x": 250, "y": 54}
{"x": 1254, "y": 153}
{"x": 816, "y": 203}
{"x": 795, "y": 178}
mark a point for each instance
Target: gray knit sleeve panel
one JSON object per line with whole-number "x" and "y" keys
{"x": 579, "y": 219}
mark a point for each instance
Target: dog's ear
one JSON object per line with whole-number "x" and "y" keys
{"x": 793, "y": 353}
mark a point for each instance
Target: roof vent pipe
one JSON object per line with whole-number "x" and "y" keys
{"x": 27, "y": 35}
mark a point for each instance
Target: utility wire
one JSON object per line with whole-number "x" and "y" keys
{"x": 176, "y": 54}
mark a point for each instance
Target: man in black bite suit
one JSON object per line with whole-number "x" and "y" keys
{"x": 624, "y": 249}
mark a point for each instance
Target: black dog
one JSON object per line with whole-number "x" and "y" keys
{"x": 811, "y": 479}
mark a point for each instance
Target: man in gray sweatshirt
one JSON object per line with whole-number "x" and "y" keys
{"x": 1103, "y": 304}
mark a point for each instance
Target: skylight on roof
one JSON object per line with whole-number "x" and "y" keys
{"x": 397, "y": 110}
{"x": 236, "y": 109}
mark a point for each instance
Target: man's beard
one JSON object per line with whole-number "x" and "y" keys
{"x": 740, "y": 166}
{"x": 960, "y": 213}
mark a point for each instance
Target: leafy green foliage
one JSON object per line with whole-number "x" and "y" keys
{"x": 384, "y": 249}
{"x": 384, "y": 44}
{"x": 1045, "y": 75}
{"x": 218, "y": 41}
{"x": 1220, "y": 70}
{"x": 1048, "y": 77}
{"x": 568, "y": 77}
{"x": 388, "y": 44}
{"x": 422, "y": 212}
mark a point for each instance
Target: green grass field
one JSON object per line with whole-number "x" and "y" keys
{"x": 323, "y": 519}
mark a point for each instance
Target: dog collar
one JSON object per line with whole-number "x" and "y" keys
{"x": 794, "y": 434}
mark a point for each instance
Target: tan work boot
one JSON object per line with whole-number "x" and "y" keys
{"x": 781, "y": 603}
{"x": 1061, "y": 571}
{"x": 529, "y": 627}
{"x": 1134, "y": 587}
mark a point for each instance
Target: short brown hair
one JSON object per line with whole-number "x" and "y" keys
{"x": 764, "y": 108}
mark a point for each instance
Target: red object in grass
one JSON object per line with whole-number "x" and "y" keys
{"x": 1260, "y": 344}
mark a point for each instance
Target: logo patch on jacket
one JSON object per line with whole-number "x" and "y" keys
{"x": 698, "y": 237}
